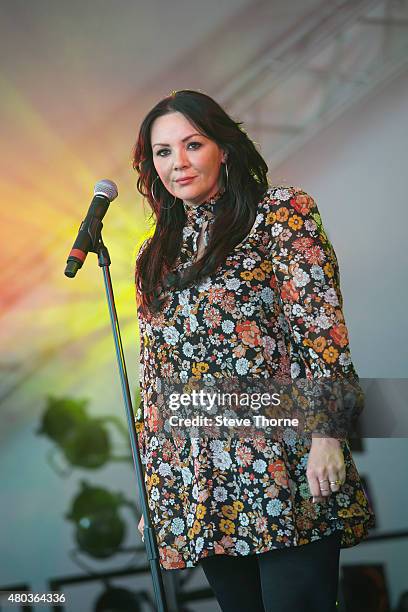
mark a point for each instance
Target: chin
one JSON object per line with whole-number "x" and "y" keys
{"x": 187, "y": 194}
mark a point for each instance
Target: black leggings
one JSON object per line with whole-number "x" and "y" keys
{"x": 296, "y": 579}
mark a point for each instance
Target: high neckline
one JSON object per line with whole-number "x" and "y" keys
{"x": 203, "y": 211}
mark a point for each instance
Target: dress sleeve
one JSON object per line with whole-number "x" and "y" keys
{"x": 141, "y": 432}
{"x": 306, "y": 273}
{"x": 138, "y": 415}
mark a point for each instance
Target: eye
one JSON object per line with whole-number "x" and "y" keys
{"x": 196, "y": 144}
{"x": 160, "y": 151}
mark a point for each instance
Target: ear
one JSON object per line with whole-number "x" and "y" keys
{"x": 224, "y": 157}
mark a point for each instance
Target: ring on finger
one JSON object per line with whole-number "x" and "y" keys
{"x": 333, "y": 483}
{"x": 322, "y": 481}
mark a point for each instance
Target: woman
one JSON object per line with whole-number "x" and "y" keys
{"x": 239, "y": 279}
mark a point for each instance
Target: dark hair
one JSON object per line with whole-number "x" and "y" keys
{"x": 236, "y": 208}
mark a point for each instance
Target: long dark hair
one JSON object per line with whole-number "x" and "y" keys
{"x": 236, "y": 208}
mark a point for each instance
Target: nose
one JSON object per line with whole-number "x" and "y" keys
{"x": 180, "y": 159}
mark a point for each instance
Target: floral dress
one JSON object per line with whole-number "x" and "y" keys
{"x": 274, "y": 305}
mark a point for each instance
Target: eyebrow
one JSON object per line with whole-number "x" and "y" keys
{"x": 164, "y": 144}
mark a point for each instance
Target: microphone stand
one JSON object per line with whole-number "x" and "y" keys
{"x": 150, "y": 539}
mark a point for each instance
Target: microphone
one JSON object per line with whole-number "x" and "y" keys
{"x": 105, "y": 192}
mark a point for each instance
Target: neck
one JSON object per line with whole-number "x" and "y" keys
{"x": 209, "y": 199}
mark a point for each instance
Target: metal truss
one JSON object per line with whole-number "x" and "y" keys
{"x": 340, "y": 53}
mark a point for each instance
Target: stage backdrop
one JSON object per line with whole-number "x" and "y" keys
{"x": 76, "y": 79}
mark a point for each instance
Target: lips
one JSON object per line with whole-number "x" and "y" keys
{"x": 185, "y": 179}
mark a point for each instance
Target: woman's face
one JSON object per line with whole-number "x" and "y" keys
{"x": 179, "y": 151}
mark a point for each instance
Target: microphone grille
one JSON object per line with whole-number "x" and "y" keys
{"x": 106, "y": 188}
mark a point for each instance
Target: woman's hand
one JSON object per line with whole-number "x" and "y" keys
{"x": 325, "y": 466}
{"x": 141, "y": 527}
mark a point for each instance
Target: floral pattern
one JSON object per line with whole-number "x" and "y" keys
{"x": 273, "y": 308}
